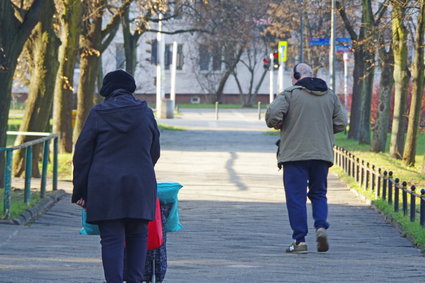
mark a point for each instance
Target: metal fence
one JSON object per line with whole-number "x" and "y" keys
{"x": 383, "y": 185}
{"x": 28, "y": 146}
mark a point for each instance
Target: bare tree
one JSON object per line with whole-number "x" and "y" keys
{"x": 16, "y": 24}
{"x": 409, "y": 152}
{"x": 70, "y": 29}
{"x": 43, "y": 47}
{"x": 401, "y": 77}
{"x": 93, "y": 41}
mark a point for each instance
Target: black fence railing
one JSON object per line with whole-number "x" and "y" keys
{"x": 383, "y": 185}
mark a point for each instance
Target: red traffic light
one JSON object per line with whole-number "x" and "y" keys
{"x": 266, "y": 61}
{"x": 275, "y": 55}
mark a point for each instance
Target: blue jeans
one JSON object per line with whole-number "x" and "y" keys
{"x": 113, "y": 233}
{"x": 297, "y": 176}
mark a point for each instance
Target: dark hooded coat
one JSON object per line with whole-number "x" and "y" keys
{"x": 114, "y": 160}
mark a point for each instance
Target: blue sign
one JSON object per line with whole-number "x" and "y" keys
{"x": 326, "y": 41}
{"x": 343, "y": 48}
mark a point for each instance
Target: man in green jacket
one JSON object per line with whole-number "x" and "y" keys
{"x": 308, "y": 115}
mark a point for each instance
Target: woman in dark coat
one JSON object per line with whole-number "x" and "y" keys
{"x": 114, "y": 175}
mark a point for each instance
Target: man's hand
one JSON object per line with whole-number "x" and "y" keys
{"x": 278, "y": 125}
{"x": 81, "y": 202}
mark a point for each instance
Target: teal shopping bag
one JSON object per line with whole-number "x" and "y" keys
{"x": 88, "y": 229}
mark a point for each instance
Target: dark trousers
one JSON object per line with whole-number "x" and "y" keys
{"x": 113, "y": 233}
{"x": 297, "y": 176}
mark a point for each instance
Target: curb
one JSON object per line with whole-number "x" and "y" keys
{"x": 37, "y": 210}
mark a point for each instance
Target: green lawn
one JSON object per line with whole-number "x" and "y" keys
{"x": 17, "y": 205}
{"x": 384, "y": 161}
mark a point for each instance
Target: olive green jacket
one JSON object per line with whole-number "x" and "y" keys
{"x": 309, "y": 121}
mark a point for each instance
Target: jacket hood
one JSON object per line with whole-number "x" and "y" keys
{"x": 123, "y": 119}
{"x": 314, "y": 86}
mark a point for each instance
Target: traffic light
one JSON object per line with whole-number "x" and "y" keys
{"x": 275, "y": 60}
{"x": 266, "y": 63}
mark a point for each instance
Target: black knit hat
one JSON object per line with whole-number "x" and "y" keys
{"x": 115, "y": 80}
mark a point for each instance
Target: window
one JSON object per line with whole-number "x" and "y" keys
{"x": 216, "y": 59}
{"x": 180, "y": 57}
{"x": 119, "y": 56}
{"x": 210, "y": 59}
{"x": 204, "y": 57}
{"x": 154, "y": 52}
{"x": 168, "y": 56}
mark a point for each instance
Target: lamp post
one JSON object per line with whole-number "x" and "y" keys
{"x": 332, "y": 49}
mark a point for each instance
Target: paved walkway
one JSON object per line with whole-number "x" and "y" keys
{"x": 235, "y": 222}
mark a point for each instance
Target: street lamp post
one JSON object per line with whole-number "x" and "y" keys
{"x": 332, "y": 49}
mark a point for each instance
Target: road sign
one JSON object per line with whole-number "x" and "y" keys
{"x": 343, "y": 48}
{"x": 283, "y": 50}
{"x": 325, "y": 41}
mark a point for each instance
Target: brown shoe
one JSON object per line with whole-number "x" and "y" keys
{"x": 322, "y": 240}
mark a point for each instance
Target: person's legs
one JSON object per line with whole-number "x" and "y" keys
{"x": 136, "y": 231}
{"x": 112, "y": 241}
{"x": 295, "y": 181}
{"x": 318, "y": 173}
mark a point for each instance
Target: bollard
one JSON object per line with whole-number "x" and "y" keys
{"x": 412, "y": 204}
{"x": 216, "y": 110}
{"x": 259, "y": 110}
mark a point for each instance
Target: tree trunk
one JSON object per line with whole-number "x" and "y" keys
{"x": 93, "y": 41}
{"x": 369, "y": 71}
{"x": 13, "y": 34}
{"x": 409, "y": 153}
{"x": 130, "y": 44}
{"x": 366, "y": 101}
{"x": 90, "y": 44}
{"x": 354, "y": 129}
{"x": 40, "y": 98}
{"x": 229, "y": 70}
{"x": 401, "y": 79}
{"x": 379, "y": 139}
{"x": 64, "y": 91}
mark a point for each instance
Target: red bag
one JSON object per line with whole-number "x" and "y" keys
{"x": 155, "y": 239}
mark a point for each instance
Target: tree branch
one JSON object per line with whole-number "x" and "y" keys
{"x": 114, "y": 22}
{"x": 346, "y": 21}
{"x": 180, "y": 31}
{"x": 31, "y": 18}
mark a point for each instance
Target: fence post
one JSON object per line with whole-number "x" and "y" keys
{"x": 44, "y": 168}
{"x": 396, "y": 194}
{"x": 373, "y": 179}
{"x": 55, "y": 164}
{"x": 362, "y": 171}
{"x": 7, "y": 182}
{"x": 404, "y": 195}
{"x": 28, "y": 174}
{"x": 422, "y": 216}
{"x": 379, "y": 182}
{"x": 390, "y": 187}
{"x": 367, "y": 176}
{"x": 357, "y": 170}
{"x": 216, "y": 110}
{"x": 349, "y": 165}
{"x": 384, "y": 185}
{"x": 412, "y": 204}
